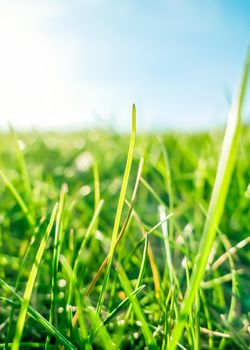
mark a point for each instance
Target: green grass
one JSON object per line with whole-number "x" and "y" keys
{"x": 147, "y": 247}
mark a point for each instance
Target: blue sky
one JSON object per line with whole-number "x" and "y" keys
{"x": 70, "y": 64}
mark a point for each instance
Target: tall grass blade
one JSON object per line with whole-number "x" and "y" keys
{"x": 169, "y": 187}
{"x": 119, "y": 209}
{"x": 56, "y": 254}
{"x": 216, "y": 205}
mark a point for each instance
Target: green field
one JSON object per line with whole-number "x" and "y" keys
{"x": 69, "y": 200}
{"x": 92, "y": 165}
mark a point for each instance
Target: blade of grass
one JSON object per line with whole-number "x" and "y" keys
{"x": 119, "y": 209}
{"x": 56, "y": 254}
{"x": 165, "y": 233}
{"x": 18, "y": 198}
{"x": 216, "y": 205}
{"x": 152, "y": 191}
{"x": 230, "y": 252}
{"x": 31, "y": 282}
{"x": 169, "y": 270}
{"x": 219, "y": 280}
{"x": 169, "y": 187}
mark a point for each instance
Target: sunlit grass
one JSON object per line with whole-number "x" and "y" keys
{"x": 147, "y": 247}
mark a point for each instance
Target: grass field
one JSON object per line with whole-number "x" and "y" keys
{"x": 177, "y": 267}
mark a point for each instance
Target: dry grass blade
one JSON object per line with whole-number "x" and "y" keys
{"x": 229, "y": 252}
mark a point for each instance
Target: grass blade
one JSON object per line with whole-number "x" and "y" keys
{"x": 31, "y": 282}
{"x": 18, "y": 198}
{"x": 216, "y": 206}
{"x": 56, "y": 254}
{"x": 119, "y": 209}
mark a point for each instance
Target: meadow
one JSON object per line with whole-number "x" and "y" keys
{"x": 112, "y": 241}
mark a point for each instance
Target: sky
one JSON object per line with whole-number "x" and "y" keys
{"x": 76, "y": 64}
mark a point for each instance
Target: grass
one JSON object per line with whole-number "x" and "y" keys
{"x": 149, "y": 252}
{"x": 216, "y": 206}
